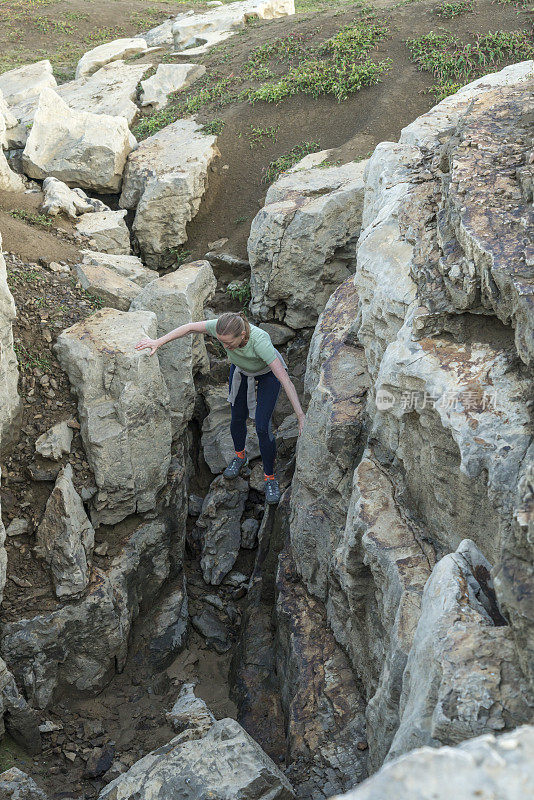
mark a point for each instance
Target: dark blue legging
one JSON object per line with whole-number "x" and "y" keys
{"x": 268, "y": 388}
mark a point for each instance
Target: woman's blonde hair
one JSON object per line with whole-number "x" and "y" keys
{"x": 232, "y": 324}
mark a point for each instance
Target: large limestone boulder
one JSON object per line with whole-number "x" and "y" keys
{"x": 198, "y": 32}
{"x": 105, "y": 53}
{"x": 225, "y": 763}
{"x": 66, "y": 537}
{"x": 107, "y": 231}
{"x": 165, "y": 179}
{"x": 220, "y": 526}
{"x": 462, "y": 676}
{"x": 487, "y": 766}
{"x": 111, "y": 90}
{"x": 168, "y": 78}
{"x": 302, "y": 242}
{"x": 82, "y": 149}
{"x": 77, "y": 647}
{"x": 10, "y": 407}
{"x": 23, "y": 83}
{"x": 8, "y": 121}
{"x": 178, "y": 298}
{"x": 130, "y": 267}
{"x": 123, "y": 406}
{"x": 59, "y": 198}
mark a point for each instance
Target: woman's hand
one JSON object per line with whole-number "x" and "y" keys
{"x": 301, "y": 420}
{"x": 144, "y": 344}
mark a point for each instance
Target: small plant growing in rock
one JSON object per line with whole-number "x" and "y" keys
{"x": 240, "y": 291}
{"x": 288, "y": 160}
{"x": 181, "y": 256}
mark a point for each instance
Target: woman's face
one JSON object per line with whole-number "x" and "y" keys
{"x": 231, "y": 342}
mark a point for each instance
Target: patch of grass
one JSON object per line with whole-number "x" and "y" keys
{"x": 454, "y": 63}
{"x": 288, "y": 160}
{"x": 256, "y": 136}
{"x": 41, "y": 220}
{"x": 240, "y": 291}
{"x": 30, "y": 359}
{"x": 181, "y": 256}
{"x": 343, "y": 69}
{"x": 214, "y": 127}
{"x": 451, "y": 10}
{"x": 23, "y": 275}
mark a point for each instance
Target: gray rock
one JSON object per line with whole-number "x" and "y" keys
{"x": 3, "y": 553}
{"x": 190, "y": 712}
{"x": 27, "y": 81}
{"x": 55, "y": 442}
{"x": 17, "y": 527}
{"x": 164, "y": 180}
{"x": 106, "y": 53}
{"x": 226, "y": 763}
{"x": 16, "y": 716}
{"x": 168, "y": 78}
{"x": 168, "y": 627}
{"x": 302, "y": 243}
{"x": 280, "y": 334}
{"x": 99, "y": 761}
{"x": 123, "y": 409}
{"x": 114, "y": 290}
{"x": 16, "y": 785}
{"x": 216, "y": 441}
{"x": 10, "y": 408}
{"x": 214, "y": 631}
{"x": 129, "y": 267}
{"x": 107, "y": 230}
{"x": 176, "y": 299}
{"x": 220, "y": 525}
{"x": 58, "y": 198}
{"x": 195, "y": 505}
{"x": 249, "y": 533}
{"x": 66, "y": 537}
{"x": 487, "y": 766}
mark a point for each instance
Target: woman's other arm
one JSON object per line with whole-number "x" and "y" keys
{"x": 177, "y": 333}
{"x": 281, "y": 373}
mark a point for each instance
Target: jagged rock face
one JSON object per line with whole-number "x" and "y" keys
{"x": 301, "y": 244}
{"x": 323, "y": 707}
{"x": 78, "y": 646}
{"x": 220, "y": 524}
{"x": 16, "y": 716}
{"x": 447, "y": 424}
{"x": 124, "y": 410}
{"x": 105, "y": 53}
{"x": 217, "y": 443}
{"x": 494, "y": 766}
{"x": 16, "y": 785}
{"x": 226, "y": 762}
{"x": 66, "y": 537}
{"x": 190, "y": 711}
{"x": 176, "y": 299}
{"x": 165, "y": 179}
{"x": 198, "y": 32}
{"x": 10, "y": 408}
{"x": 79, "y": 148}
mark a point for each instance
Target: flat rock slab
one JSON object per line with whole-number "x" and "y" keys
{"x": 55, "y": 442}
{"x": 168, "y": 78}
{"x": 107, "y": 230}
{"x": 105, "y": 53}
{"x": 26, "y": 82}
{"x": 129, "y": 267}
{"x": 225, "y": 763}
{"x": 165, "y": 180}
{"x": 114, "y": 290}
{"x": 123, "y": 409}
{"x": 198, "y": 32}
{"x": 81, "y": 149}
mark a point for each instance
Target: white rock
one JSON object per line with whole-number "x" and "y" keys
{"x": 178, "y": 298}
{"x": 10, "y": 408}
{"x": 8, "y": 121}
{"x": 123, "y": 410}
{"x": 66, "y": 537}
{"x": 113, "y": 289}
{"x": 168, "y": 78}
{"x": 190, "y": 711}
{"x": 105, "y": 53}
{"x": 26, "y": 82}
{"x": 486, "y": 767}
{"x": 107, "y": 230}
{"x": 160, "y": 35}
{"x": 130, "y": 267}
{"x": 198, "y": 32}
{"x": 17, "y": 527}
{"x": 55, "y": 442}
{"x": 87, "y": 150}
{"x": 9, "y": 180}
{"x": 111, "y": 90}
{"x": 302, "y": 243}
{"x": 166, "y": 179}
{"x": 59, "y": 198}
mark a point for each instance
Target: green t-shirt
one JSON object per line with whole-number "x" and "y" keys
{"x": 255, "y": 355}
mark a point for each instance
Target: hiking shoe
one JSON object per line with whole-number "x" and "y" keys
{"x": 272, "y": 491}
{"x": 235, "y": 466}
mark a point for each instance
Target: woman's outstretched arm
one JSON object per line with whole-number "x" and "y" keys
{"x": 177, "y": 333}
{"x": 281, "y": 373}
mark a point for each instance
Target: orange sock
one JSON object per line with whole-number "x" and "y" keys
{"x": 240, "y": 453}
{"x": 268, "y": 477}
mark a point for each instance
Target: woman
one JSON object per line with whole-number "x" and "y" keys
{"x": 255, "y": 365}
